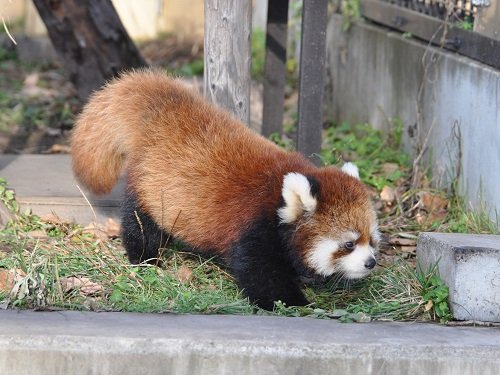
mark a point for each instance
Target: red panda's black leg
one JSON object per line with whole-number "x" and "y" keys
{"x": 141, "y": 236}
{"x": 261, "y": 268}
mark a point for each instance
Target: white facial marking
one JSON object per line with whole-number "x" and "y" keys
{"x": 351, "y": 170}
{"x": 320, "y": 258}
{"x": 353, "y": 265}
{"x": 298, "y": 198}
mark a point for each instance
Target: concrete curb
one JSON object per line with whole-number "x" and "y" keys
{"x": 121, "y": 343}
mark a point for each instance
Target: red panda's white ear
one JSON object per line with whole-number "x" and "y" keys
{"x": 298, "y": 197}
{"x": 351, "y": 170}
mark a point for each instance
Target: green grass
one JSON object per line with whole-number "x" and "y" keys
{"x": 6, "y": 55}
{"x": 466, "y": 24}
{"x": 351, "y": 12}
{"x": 190, "y": 69}
{"x": 47, "y": 255}
{"x": 397, "y": 292}
{"x": 369, "y": 149}
{"x": 44, "y": 264}
{"x": 120, "y": 286}
{"x": 258, "y": 44}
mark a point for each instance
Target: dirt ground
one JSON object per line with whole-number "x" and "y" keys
{"x": 38, "y": 104}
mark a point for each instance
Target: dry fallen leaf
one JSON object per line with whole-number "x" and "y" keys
{"x": 184, "y": 274}
{"x": 432, "y": 202}
{"x": 58, "y": 149}
{"x": 437, "y": 216}
{"x": 37, "y": 234}
{"x": 82, "y": 284}
{"x": 9, "y": 277}
{"x": 408, "y": 249}
{"x": 54, "y": 219}
{"x": 96, "y": 231}
{"x": 389, "y": 168}
{"x": 420, "y": 218}
{"x": 112, "y": 228}
{"x": 402, "y": 241}
{"x": 433, "y": 207}
{"x": 6, "y": 280}
{"x": 388, "y": 195}
{"x": 31, "y": 88}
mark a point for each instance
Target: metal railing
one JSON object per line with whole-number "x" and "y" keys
{"x": 456, "y": 25}
{"x": 453, "y": 10}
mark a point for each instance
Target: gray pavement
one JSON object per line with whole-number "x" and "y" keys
{"x": 45, "y": 183}
{"x": 127, "y": 343}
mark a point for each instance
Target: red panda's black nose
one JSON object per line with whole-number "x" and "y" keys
{"x": 370, "y": 263}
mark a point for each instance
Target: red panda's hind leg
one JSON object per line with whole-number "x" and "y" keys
{"x": 141, "y": 236}
{"x": 263, "y": 270}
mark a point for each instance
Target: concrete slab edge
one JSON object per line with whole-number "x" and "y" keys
{"x": 89, "y": 343}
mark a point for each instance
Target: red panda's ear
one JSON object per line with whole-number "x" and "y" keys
{"x": 351, "y": 170}
{"x": 299, "y": 194}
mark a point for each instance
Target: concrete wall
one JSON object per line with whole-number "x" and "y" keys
{"x": 375, "y": 75}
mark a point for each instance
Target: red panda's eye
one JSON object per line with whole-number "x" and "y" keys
{"x": 349, "y": 245}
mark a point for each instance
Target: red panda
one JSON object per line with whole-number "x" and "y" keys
{"x": 195, "y": 173}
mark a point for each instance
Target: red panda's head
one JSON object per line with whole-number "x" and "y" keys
{"x": 335, "y": 225}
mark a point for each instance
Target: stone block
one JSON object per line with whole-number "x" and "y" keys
{"x": 470, "y": 265}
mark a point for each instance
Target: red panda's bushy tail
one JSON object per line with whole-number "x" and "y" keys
{"x": 98, "y": 145}
{"x": 109, "y": 127}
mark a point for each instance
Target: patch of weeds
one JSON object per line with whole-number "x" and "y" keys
{"x": 7, "y": 197}
{"x": 351, "y": 12}
{"x": 464, "y": 219}
{"x": 258, "y": 44}
{"x": 397, "y": 292}
{"x": 47, "y": 270}
{"x": 435, "y": 293}
{"x": 369, "y": 149}
{"x": 190, "y": 69}
{"x": 185, "y": 283}
{"x": 283, "y": 142}
{"x": 6, "y": 54}
{"x": 466, "y": 24}
{"x": 392, "y": 293}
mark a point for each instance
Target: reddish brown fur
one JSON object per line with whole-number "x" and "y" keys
{"x": 194, "y": 165}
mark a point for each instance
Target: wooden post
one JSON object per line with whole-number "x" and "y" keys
{"x": 487, "y": 20}
{"x": 312, "y": 77}
{"x": 228, "y": 55}
{"x": 275, "y": 67}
